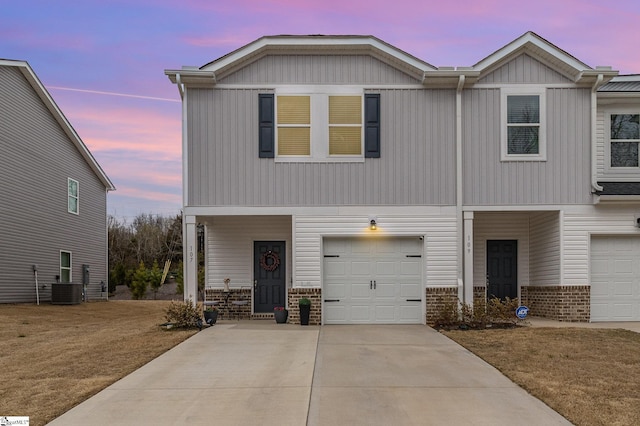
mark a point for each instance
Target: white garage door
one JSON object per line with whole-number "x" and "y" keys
{"x": 615, "y": 279}
{"x": 372, "y": 280}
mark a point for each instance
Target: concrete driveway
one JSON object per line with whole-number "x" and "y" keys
{"x": 259, "y": 372}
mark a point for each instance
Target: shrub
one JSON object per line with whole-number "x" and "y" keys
{"x": 494, "y": 313}
{"x": 184, "y": 315}
{"x": 139, "y": 282}
{"x": 304, "y": 302}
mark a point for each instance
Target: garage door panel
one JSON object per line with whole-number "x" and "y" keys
{"x": 335, "y": 291}
{"x": 360, "y": 313}
{"x": 623, "y": 266}
{"x": 360, "y": 290}
{"x": 335, "y": 268}
{"x": 621, "y": 288}
{"x": 410, "y": 312}
{"x": 337, "y": 312}
{"x": 410, "y": 290}
{"x": 615, "y": 278}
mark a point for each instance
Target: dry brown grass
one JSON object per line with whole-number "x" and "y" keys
{"x": 590, "y": 376}
{"x": 53, "y": 357}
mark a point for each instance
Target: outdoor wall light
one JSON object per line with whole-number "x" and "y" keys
{"x": 372, "y": 225}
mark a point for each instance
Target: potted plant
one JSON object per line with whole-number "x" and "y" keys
{"x": 210, "y": 315}
{"x": 305, "y": 310}
{"x": 280, "y": 314}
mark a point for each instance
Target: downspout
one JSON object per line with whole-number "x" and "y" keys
{"x": 594, "y": 143}
{"x": 180, "y": 85}
{"x": 459, "y": 218}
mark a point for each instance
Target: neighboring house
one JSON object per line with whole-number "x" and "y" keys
{"x": 505, "y": 178}
{"x": 54, "y": 195}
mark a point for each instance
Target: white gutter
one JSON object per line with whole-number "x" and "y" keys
{"x": 594, "y": 116}
{"x": 459, "y": 219}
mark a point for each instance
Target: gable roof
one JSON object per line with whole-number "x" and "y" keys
{"x": 547, "y": 53}
{"x": 529, "y": 43}
{"x": 57, "y": 114}
{"x": 294, "y": 45}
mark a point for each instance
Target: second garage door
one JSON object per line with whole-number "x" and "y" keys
{"x": 615, "y": 278}
{"x": 372, "y": 280}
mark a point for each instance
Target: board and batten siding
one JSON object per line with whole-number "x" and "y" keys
{"x": 580, "y": 223}
{"x": 37, "y": 158}
{"x": 417, "y": 164}
{"x": 318, "y": 69}
{"x": 490, "y": 181}
{"x": 524, "y": 69}
{"x": 439, "y": 231}
{"x": 229, "y": 247}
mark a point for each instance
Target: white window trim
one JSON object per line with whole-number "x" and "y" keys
{"x": 77, "y": 196}
{"x": 319, "y": 97}
{"x": 70, "y": 265}
{"x": 542, "y": 134}
{"x": 620, "y": 172}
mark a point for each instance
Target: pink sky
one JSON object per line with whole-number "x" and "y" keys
{"x": 113, "y": 56}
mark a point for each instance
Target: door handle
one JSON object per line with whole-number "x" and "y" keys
{"x": 375, "y": 284}
{"x": 370, "y": 285}
{"x": 255, "y": 285}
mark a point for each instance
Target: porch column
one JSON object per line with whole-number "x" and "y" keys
{"x": 190, "y": 259}
{"x": 468, "y": 258}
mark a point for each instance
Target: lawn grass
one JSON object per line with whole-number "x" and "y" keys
{"x": 590, "y": 376}
{"x": 53, "y": 357}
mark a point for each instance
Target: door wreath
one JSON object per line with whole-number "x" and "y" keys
{"x": 269, "y": 261}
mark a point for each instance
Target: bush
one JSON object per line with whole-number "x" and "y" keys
{"x": 139, "y": 282}
{"x": 184, "y": 315}
{"x": 494, "y": 313}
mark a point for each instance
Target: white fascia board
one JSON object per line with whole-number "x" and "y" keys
{"x": 530, "y": 38}
{"x": 315, "y": 41}
{"x": 57, "y": 114}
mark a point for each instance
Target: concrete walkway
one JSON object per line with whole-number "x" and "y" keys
{"x": 259, "y": 372}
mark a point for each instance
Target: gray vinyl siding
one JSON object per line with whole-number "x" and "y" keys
{"x": 524, "y": 69}
{"x": 564, "y": 178}
{"x": 37, "y": 158}
{"x": 417, "y": 165}
{"x": 318, "y": 69}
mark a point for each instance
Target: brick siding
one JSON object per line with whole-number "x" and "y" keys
{"x": 560, "y": 303}
{"x": 313, "y": 294}
{"x": 438, "y": 298}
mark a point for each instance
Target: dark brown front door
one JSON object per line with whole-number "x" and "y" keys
{"x": 502, "y": 269}
{"x": 269, "y": 275}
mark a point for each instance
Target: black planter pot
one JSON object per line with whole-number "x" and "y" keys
{"x": 281, "y": 316}
{"x": 210, "y": 317}
{"x": 305, "y": 310}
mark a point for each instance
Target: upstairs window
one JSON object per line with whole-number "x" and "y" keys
{"x": 523, "y": 131}
{"x": 294, "y": 125}
{"x": 72, "y": 196}
{"x": 624, "y": 138}
{"x": 319, "y": 127}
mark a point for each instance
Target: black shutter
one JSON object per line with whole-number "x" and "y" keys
{"x": 372, "y": 125}
{"x": 266, "y": 116}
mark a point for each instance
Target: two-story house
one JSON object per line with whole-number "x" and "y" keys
{"x": 343, "y": 169}
{"x": 54, "y": 208}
